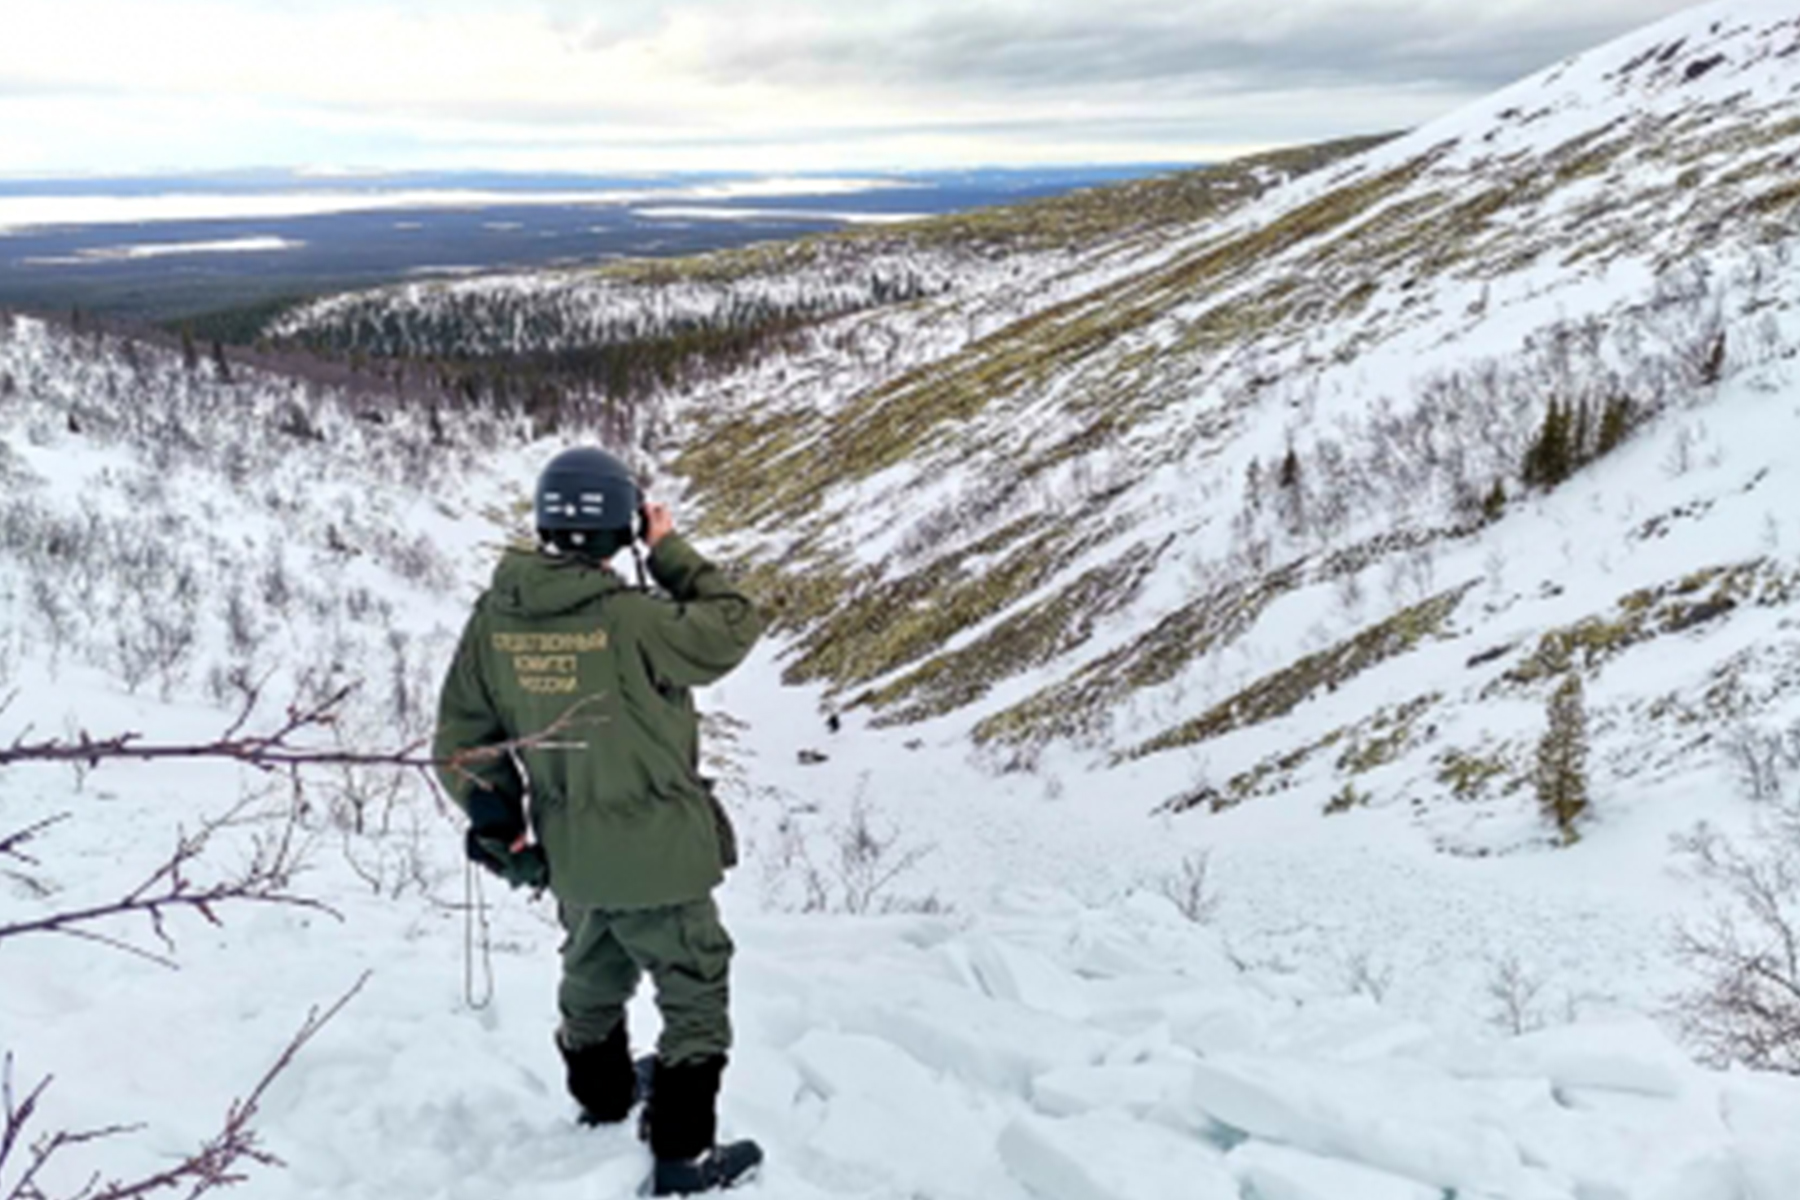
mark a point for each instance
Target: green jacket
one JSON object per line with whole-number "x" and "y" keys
{"x": 616, "y": 797}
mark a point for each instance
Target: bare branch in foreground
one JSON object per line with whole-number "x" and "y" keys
{"x": 265, "y": 880}
{"x": 10, "y": 843}
{"x": 219, "y": 1163}
{"x": 279, "y": 749}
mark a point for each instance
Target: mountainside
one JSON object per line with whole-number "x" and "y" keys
{"x": 1156, "y": 493}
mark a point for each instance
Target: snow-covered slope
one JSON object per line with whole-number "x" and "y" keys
{"x": 1036, "y": 536}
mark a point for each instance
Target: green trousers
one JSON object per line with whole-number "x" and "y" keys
{"x": 687, "y": 954}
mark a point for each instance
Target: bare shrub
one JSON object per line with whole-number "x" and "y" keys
{"x": 1515, "y": 990}
{"x": 870, "y": 855}
{"x": 863, "y": 858}
{"x": 1745, "y": 1004}
{"x": 1759, "y": 758}
{"x": 1365, "y": 976}
{"x": 1189, "y": 887}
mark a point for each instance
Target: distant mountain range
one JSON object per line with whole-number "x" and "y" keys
{"x": 171, "y": 246}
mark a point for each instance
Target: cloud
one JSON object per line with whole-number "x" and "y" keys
{"x": 406, "y": 82}
{"x": 1235, "y": 45}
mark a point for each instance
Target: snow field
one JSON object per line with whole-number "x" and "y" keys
{"x": 1040, "y": 1048}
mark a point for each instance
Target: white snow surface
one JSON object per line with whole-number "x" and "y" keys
{"x": 257, "y": 244}
{"x": 37, "y": 211}
{"x": 1050, "y": 1026}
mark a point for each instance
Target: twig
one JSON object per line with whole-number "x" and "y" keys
{"x": 169, "y": 889}
{"x": 276, "y": 750}
{"x": 216, "y": 1164}
{"x": 9, "y": 845}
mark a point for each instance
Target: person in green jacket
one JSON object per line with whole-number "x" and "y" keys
{"x": 586, "y": 685}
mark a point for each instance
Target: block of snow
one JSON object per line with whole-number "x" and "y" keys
{"x": 886, "y": 1112}
{"x": 1011, "y": 972}
{"x": 836, "y": 1064}
{"x": 1219, "y": 1022}
{"x": 1154, "y": 1042}
{"x": 1109, "y": 1156}
{"x": 1401, "y": 1118}
{"x": 1624, "y": 1056}
{"x": 1139, "y": 1090}
{"x": 1272, "y": 1172}
{"x": 1136, "y": 944}
{"x": 1347, "y": 1029}
{"x": 975, "y": 1038}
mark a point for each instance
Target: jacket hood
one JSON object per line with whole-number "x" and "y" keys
{"x": 530, "y": 583}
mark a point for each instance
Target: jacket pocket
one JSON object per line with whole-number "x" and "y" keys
{"x": 728, "y": 843}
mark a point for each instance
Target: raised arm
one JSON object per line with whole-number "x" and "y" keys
{"x": 711, "y": 625}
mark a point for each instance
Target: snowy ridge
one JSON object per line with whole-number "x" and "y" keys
{"x": 539, "y": 313}
{"x": 1061, "y": 504}
{"x": 992, "y": 266}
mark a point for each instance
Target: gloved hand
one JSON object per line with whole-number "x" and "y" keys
{"x": 524, "y": 867}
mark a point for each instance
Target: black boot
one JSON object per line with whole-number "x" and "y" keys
{"x": 683, "y": 1118}
{"x": 718, "y": 1168}
{"x": 601, "y": 1077}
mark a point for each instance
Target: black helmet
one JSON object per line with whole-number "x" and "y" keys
{"x": 587, "y": 491}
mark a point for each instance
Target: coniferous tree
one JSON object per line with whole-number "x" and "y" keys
{"x": 1290, "y": 470}
{"x": 1615, "y": 424}
{"x": 190, "y": 356}
{"x": 1549, "y": 461}
{"x": 1561, "y": 770}
{"x": 1712, "y": 369}
{"x": 1495, "y": 504}
{"x": 221, "y": 367}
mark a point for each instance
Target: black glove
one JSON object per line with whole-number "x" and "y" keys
{"x": 520, "y": 868}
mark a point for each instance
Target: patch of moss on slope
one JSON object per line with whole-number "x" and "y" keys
{"x": 1375, "y": 741}
{"x": 1078, "y": 706}
{"x": 883, "y": 625}
{"x": 1135, "y": 206}
{"x": 1023, "y": 641}
{"x": 1648, "y": 613}
{"x": 1278, "y": 694}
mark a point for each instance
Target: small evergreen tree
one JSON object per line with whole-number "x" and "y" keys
{"x": 1615, "y": 425}
{"x": 1712, "y": 367}
{"x": 1495, "y": 504}
{"x": 190, "y": 356}
{"x": 1561, "y": 773}
{"x": 1290, "y": 470}
{"x": 221, "y": 367}
{"x": 1550, "y": 460}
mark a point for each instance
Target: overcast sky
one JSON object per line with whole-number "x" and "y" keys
{"x": 117, "y": 86}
